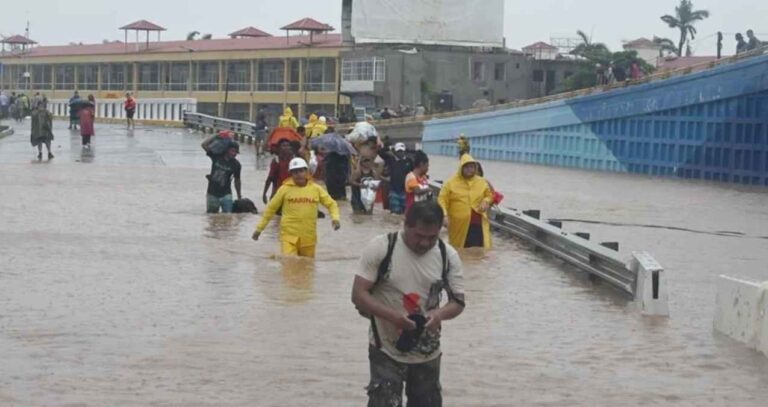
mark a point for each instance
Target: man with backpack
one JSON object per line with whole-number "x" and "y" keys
{"x": 399, "y": 287}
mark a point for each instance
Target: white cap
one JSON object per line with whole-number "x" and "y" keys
{"x": 297, "y": 164}
{"x": 399, "y": 147}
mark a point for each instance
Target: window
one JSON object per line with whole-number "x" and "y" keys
{"x": 207, "y": 76}
{"x": 113, "y": 77}
{"x": 41, "y": 77}
{"x": 294, "y": 73}
{"x": 478, "y": 71}
{"x": 365, "y": 69}
{"x": 320, "y": 75}
{"x": 567, "y": 74}
{"x": 239, "y": 76}
{"x": 500, "y": 71}
{"x": 149, "y": 76}
{"x": 88, "y": 77}
{"x": 271, "y": 76}
{"x": 65, "y": 77}
{"x": 538, "y": 75}
{"x": 178, "y": 77}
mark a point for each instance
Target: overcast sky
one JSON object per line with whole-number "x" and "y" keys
{"x": 56, "y": 22}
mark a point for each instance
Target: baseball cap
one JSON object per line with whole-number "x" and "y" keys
{"x": 399, "y": 147}
{"x": 297, "y": 164}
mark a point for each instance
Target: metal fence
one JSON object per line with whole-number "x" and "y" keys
{"x": 641, "y": 277}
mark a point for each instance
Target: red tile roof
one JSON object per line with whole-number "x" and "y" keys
{"x": 225, "y": 44}
{"x": 17, "y": 39}
{"x": 142, "y": 25}
{"x": 540, "y": 45}
{"x": 668, "y": 64}
{"x": 250, "y": 32}
{"x": 308, "y": 24}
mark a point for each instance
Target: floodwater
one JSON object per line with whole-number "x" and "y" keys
{"x": 117, "y": 290}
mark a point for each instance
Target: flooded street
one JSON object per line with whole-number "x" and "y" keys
{"x": 116, "y": 289}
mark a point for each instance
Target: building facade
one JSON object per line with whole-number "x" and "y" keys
{"x": 233, "y": 77}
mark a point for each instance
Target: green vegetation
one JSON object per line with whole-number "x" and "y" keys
{"x": 684, "y": 19}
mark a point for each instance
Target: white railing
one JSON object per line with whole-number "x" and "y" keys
{"x": 164, "y": 110}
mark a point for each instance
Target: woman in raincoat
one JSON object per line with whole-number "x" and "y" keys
{"x": 41, "y": 129}
{"x": 319, "y": 128}
{"x": 288, "y": 120}
{"x": 310, "y": 126}
{"x": 465, "y": 199}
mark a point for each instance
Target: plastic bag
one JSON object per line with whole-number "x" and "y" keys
{"x": 312, "y": 162}
{"x": 368, "y": 193}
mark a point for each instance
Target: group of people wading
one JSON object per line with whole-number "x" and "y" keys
{"x": 402, "y": 275}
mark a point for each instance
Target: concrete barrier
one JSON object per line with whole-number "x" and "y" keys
{"x": 741, "y": 311}
{"x": 149, "y": 111}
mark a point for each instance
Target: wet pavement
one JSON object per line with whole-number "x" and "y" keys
{"x": 116, "y": 289}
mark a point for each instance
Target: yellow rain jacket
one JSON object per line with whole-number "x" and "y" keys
{"x": 298, "y": 224}
{"x": 458, "y": 198}
{"x": 319, "y": 128}
{"x": 310, "y": 125}
{"x": 287, "y": 119}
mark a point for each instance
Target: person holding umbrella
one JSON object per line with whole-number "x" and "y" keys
{"x": 338, "y": 150}
{"x": 74, "y": 119}
{"x": 86, "y": 116}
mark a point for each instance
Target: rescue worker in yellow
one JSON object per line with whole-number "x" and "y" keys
{"x": 319, "y": 128}
{"x": 298, "y": 197}
{"x": 310, "y": 126}
{"x": 465, "y": 199}
{"x": 288, "y": 120}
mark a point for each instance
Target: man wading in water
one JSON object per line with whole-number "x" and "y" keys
{"x": 398, "y": 285}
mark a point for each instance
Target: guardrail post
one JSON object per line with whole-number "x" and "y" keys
{"x": 582, "y": 235}
{"x": 651, "y": 285}
{"x": 534, "y": 213}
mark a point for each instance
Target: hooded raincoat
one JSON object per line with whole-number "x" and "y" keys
{"x": 319, "y": 128}
{"x": 298, "y": 225}
{"x": 287, "y": 119}
{"x": 458, "y": 198}
{"x": 310, "y": 125}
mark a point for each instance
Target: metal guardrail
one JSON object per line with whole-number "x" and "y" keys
{"x": 244, "y": 131}
{"x": 642, "y": 277}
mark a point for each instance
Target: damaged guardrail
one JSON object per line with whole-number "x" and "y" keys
{"x": 642, "y": 276}
{"x": 244, "y": 131}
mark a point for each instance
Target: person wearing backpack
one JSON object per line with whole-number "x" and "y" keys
{"x": 399, "y": 287}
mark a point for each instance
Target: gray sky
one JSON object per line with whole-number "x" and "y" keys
{"x": 56, "y": 22}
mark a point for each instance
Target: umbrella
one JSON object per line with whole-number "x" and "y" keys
{"x": 78, "y": 102}
{"x": 281, "y": 133}
{"x": 334, "y": 143}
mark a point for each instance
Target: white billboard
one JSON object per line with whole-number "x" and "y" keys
{"x": 444, "y": 22}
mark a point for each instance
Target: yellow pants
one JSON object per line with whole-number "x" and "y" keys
{"x": 294, "y": 249}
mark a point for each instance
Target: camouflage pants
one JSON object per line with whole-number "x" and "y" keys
{"x": 422, "y": 382}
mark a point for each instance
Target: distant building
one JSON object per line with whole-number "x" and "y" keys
{"x": 252, "y": 72}
{"x": 645, "y": 48}
{"x": 542, "y": 51}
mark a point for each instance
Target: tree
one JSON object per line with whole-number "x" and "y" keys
{"x": 192, "y": 36}
{"x": 588, "y": 49}
{"x": 684, "y": 19}
{"x": 666, "y": 46}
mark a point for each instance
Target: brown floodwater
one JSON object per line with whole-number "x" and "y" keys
{"x": 116, "y": 289}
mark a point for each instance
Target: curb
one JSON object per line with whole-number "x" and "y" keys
{"x": 6, "y": 132}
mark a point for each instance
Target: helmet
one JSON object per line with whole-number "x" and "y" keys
{"x": 297, "y": 164}
{"x": 399, "y": 147}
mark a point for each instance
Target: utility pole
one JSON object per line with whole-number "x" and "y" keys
{"x": 719, "y": 44}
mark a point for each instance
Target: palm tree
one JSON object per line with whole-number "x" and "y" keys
{"x": 666, "y": 46}
{"x": 684, "y": 19}
{"x": 192, "y": 36}
{"x": 588, "y": 49}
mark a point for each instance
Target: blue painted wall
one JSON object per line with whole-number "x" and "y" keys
{"x": 709, "y": 125}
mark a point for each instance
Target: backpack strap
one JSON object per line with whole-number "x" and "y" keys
{"x": 446, "y": 268}
{"x": 381, "y": 273}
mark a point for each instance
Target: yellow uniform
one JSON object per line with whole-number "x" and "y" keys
{"x": 459, "y": 197}
{"x": 319, "y": 128}
{"x": 310, "y": 125}
{"x": 298, "y": 225}
{"x": 287, "y": 119}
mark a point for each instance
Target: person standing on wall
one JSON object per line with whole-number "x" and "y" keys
{"x": 130, "y": 109}
{"x": 399, "y": 287}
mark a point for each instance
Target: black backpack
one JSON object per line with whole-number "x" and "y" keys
{"x": 383, "y": 270}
